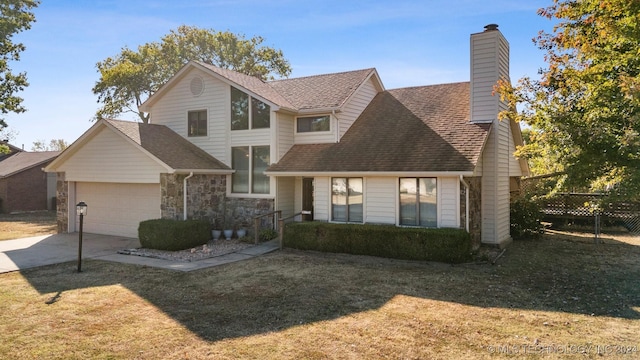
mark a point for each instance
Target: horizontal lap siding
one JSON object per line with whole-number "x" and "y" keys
{"x": 381, "y": 200}
{"x": 172, "y": 111}
{"x": 449, "y": 202}
{"x": 108, "y": 157}
{"x": 322, "y": 198}
{"x": 285, "y": 200}
{"x": 356, "y": 105}
{"x": 285, "y": 130}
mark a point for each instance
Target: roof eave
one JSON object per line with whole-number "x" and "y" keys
{"x": 203, "y": 171}
{"x": 371, "y": 173}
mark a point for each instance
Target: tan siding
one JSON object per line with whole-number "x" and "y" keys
{"x": 489, "y": 190}
{"x": 110, "y": 158}
{"x": 322, "y": 198}
{"x": 319, "y": 137}
{"x": 356, "y": 105}
{"x": 381, "y": 200}
{"x": 514, "y": 163}
{"x": 285, "y": 130}
{"x": 177, "y": 101}
{"x": 449, "y": 215}
{"x": 285, "y": 196}
{"x": 504, "y": 155}
{"x": 489, "y": 62}
{"x": 250, "y": 137}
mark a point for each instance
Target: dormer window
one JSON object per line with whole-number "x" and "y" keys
{"x": 245, "y": 117}
{"x": 313, "y": 123}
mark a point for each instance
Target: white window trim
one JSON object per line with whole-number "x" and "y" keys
{"x": 250, "y": 194}
{"x": 304, "y": 133}
{"x": 187, "y": 123}
{"x": 364, "y": 200}
{"x": 250, "y": 120}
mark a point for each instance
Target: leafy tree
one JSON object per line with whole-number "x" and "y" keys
{"x": 54, "y": 145}
{"x": 585, "y": 108}
{"x": 129, "y": 78}
{"x": 15, "y": 17}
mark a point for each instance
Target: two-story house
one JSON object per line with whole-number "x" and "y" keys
{"x": 226, "y": 146}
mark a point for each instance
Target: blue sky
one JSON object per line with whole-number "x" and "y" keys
{"x": 409, "y": 42}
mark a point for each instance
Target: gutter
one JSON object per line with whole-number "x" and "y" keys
{"x": 184, "y": 195}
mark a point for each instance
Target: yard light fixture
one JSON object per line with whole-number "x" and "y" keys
{"x": 81, "y": 210}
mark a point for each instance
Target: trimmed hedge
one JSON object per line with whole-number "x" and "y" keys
{"x": 444, "y": 245}
{"x": 173, "y": 235}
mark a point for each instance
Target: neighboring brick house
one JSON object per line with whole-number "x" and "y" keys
{"x": 12, "y": 150}
{"x": 24, "y": 186}
{"x": 338, "y": 145}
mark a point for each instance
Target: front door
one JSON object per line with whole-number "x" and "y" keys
{"x": 307, "y": 199}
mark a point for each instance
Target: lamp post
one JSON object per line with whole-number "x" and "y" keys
{"x": 81, "y": 210}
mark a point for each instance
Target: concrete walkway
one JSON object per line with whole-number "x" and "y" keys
{"x": 37, "y": 251}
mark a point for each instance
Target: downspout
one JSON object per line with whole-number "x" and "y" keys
{"x": 466, "y": 207}
{"x": 185, "y": 195}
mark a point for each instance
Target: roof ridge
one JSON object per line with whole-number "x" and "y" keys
{"x": 430, "y": 85}
{"x": 320, "y": 75}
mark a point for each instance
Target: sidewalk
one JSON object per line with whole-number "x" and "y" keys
{"x": 37, "y": 251}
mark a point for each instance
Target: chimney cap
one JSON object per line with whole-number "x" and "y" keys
{"x": 491, "y": 27}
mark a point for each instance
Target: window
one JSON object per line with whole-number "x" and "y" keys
{"x": 260, "y": 181}
{"x": 240, "y": 163}
{"x": 243, "y": 116}
{"x": 418, "y": 202}
{"x": 314, "y": 123}
{"x": 255, "y": 158}
{"x": 346, "y": 199}
{"x": 197, "y": 123}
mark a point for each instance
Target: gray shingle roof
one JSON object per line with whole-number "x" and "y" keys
{"x": 321, "y": 91}
{"x": 424, "y": 129}
{"x": 253, "y": 84}
{"x": 169, "y": 147}
{"x": 23, "y": 160}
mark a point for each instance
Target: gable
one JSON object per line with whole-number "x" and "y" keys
{"x": 420, "y": 129}
{"x": 108, "y": 157}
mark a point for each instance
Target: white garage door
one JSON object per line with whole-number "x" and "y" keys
{"x": 117, "y": 209}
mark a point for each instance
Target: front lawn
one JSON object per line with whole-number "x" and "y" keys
{"x": 15, "y": 226}
{"x": 552, "y": 297}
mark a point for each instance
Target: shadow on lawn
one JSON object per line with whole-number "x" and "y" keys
{"x": 290, "y": 288}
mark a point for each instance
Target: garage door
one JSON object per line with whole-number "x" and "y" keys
{"x": 117, "y": 209}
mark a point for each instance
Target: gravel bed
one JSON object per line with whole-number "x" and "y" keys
{"x": 211, "y": 249}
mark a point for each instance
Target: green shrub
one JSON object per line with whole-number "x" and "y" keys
{"x": 173, "y": 235}
{"x": 525, "y": 218}
{"x": 267, "y": 234}
{"x": 445, "y": 245}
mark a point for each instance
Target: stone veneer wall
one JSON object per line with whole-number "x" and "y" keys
{"x": 206, "y": 199}
{"x": 62, "y": 203}
{"x": 475, "y": 209}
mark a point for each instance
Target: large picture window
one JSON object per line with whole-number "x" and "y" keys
{"x": 346, "y": 199}
{"x": 313, "y": 123}
{"x": 250, "y": 162}
{"x": 418, "y": 202}
{"x": 197, "y": 123}
{"x": 248, "y": 112}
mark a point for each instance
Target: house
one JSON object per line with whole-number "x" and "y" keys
{"x": 226, "y": 146}
{"x": 12, "y": 149}
{"x": 24, "y": 186}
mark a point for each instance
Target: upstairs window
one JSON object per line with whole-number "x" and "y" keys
{"x": 197, "y": 123}
{"x": 313, "y": 123}
{"x": 243, "y": 116}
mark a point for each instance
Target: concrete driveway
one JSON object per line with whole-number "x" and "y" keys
{"x": 36, "y": 251}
